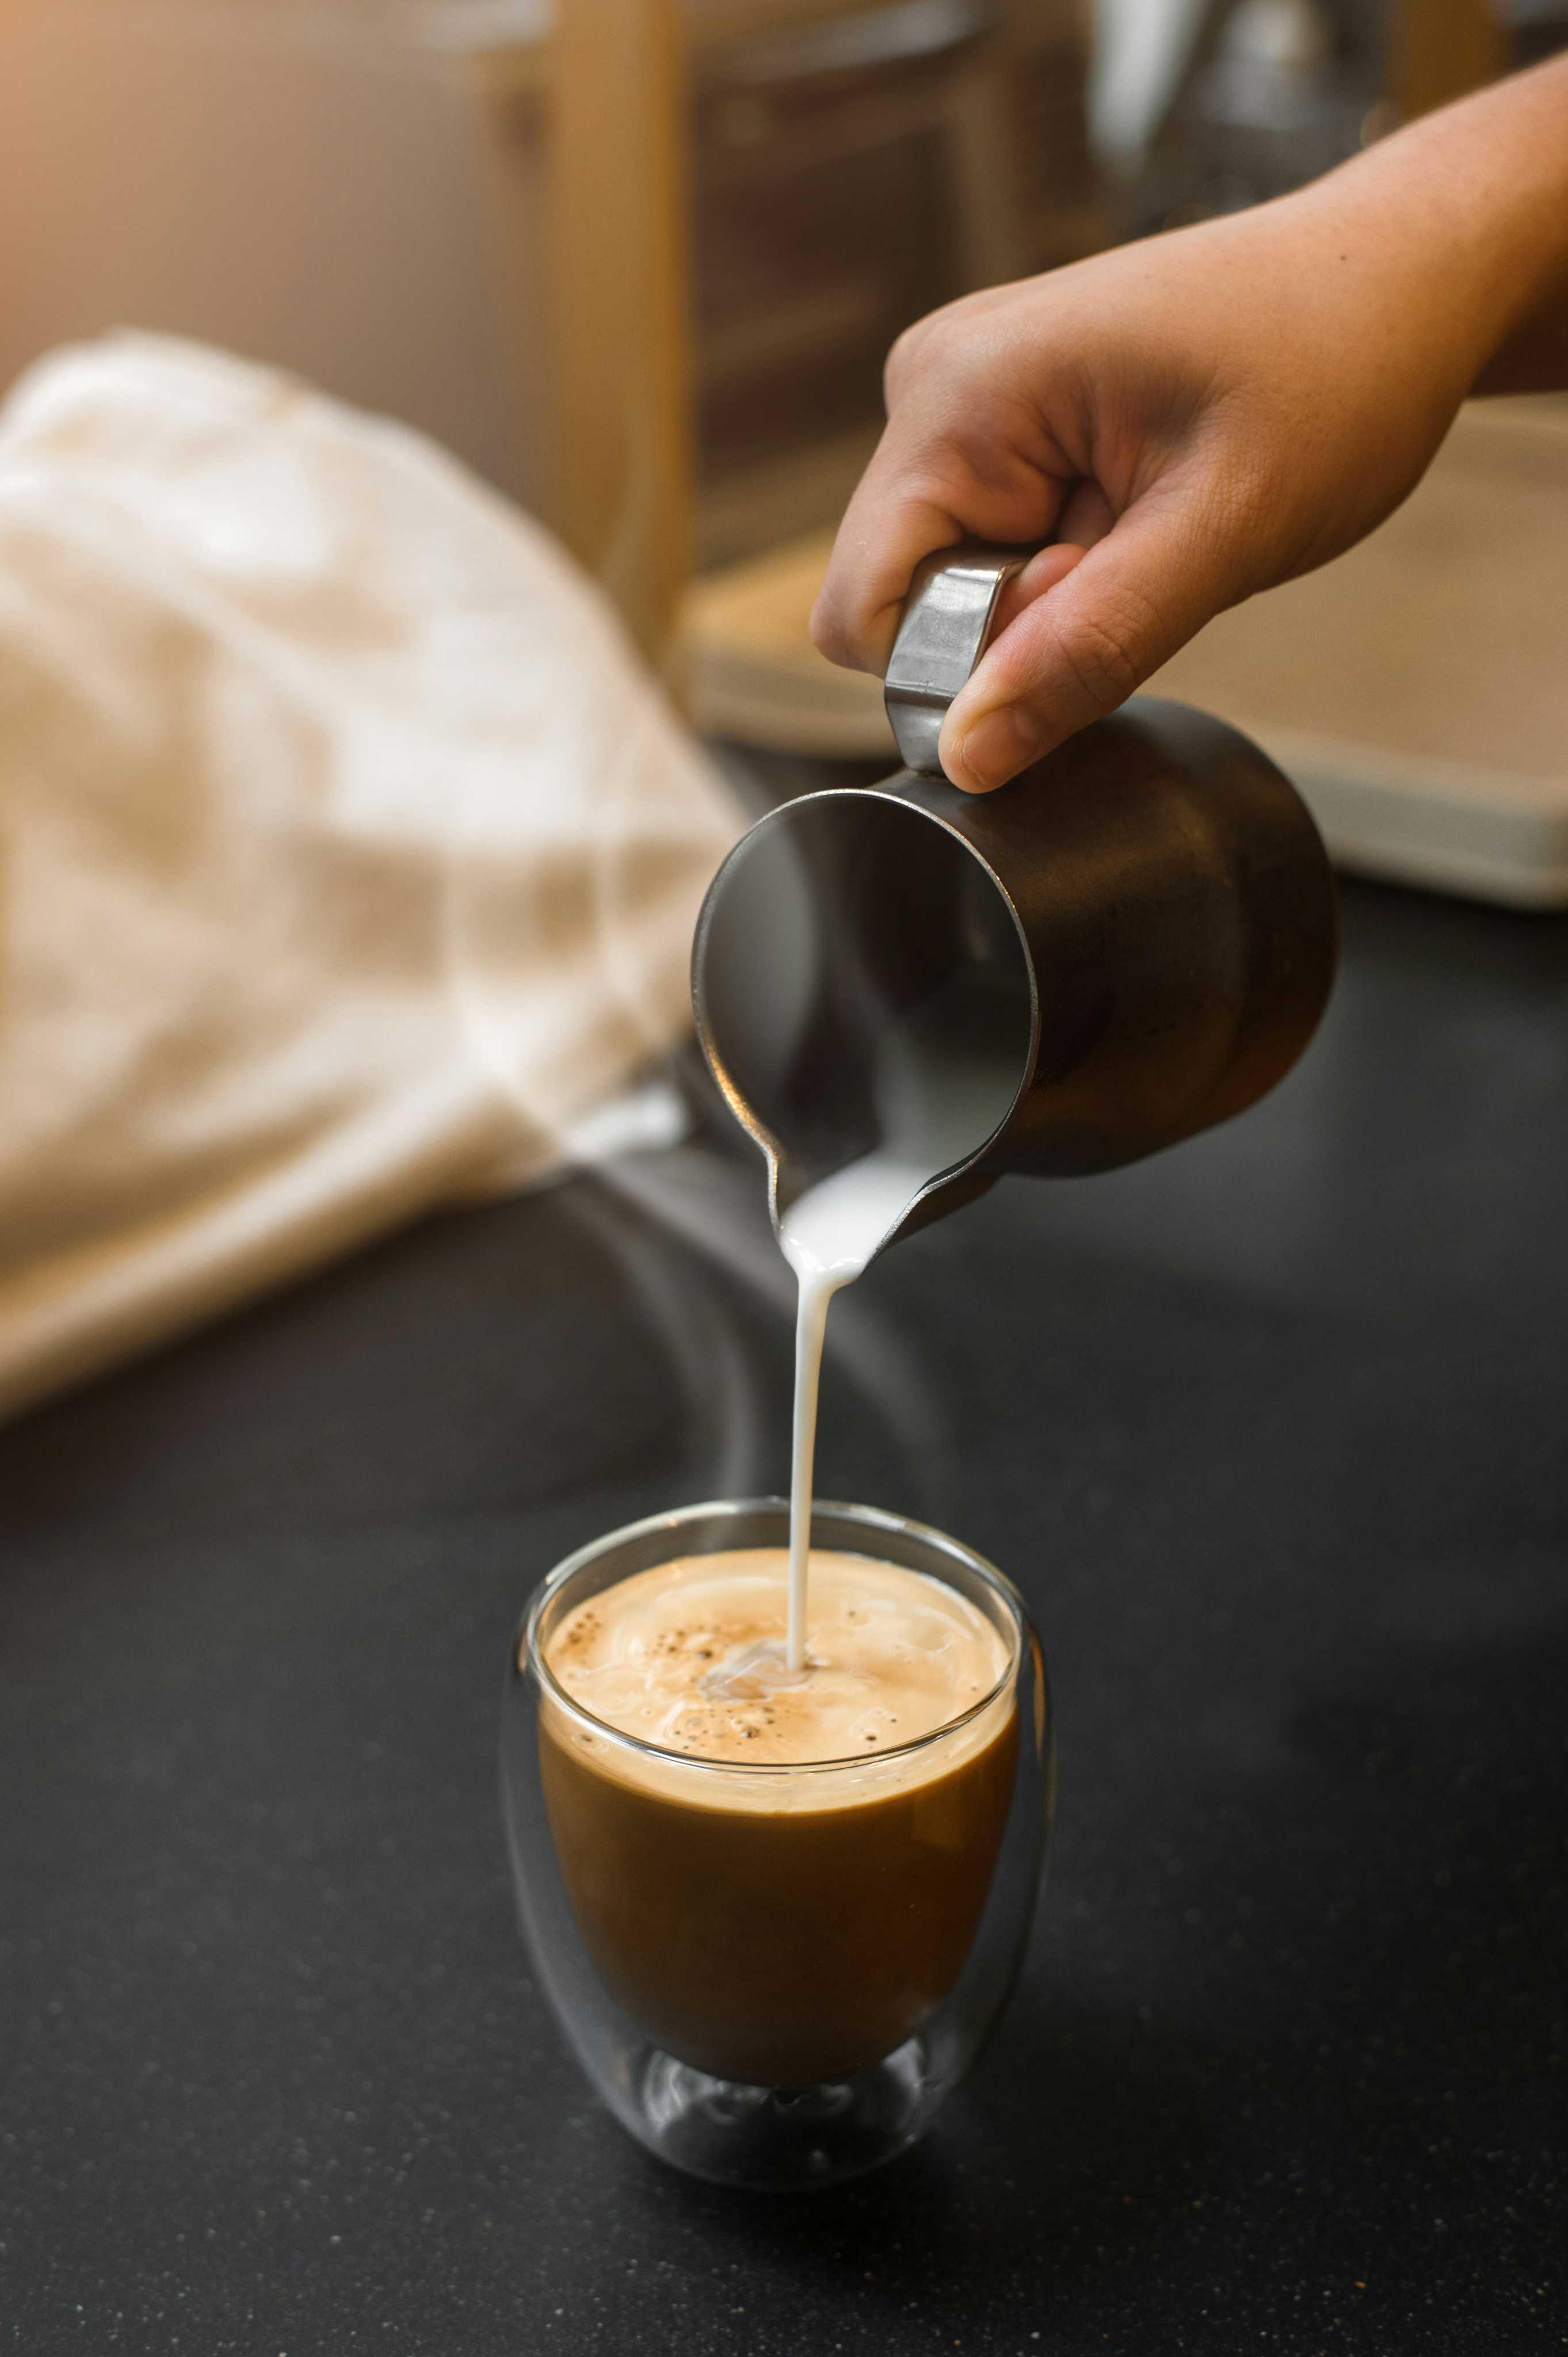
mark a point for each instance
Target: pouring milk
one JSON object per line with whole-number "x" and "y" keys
{"x": 938, "y": 1099}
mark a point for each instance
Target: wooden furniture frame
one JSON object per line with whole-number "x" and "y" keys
{"x": 611, "y": 88}
{"x": 1441, "y": 49}
{"x": 475, "y": 214}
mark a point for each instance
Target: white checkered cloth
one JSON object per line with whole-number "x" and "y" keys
{"x": 348, "y": 859}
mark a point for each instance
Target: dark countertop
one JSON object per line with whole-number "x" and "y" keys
{"x": 1270, "y": 1430}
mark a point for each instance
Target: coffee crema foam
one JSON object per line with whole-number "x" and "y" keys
{"x": 691, "y": 1656}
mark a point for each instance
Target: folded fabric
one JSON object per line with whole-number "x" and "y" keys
{"x": 348, "y": 859}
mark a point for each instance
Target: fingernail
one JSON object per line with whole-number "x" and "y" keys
{"x": 1000, "y": 744}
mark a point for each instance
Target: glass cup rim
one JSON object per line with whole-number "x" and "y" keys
{"x": 526, "y": 1647}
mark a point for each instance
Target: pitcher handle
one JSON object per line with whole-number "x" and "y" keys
{"x": 947, "y": 625}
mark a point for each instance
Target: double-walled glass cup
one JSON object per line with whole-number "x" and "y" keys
{"x": 774, "y": 1975}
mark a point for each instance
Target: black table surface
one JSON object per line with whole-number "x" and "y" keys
{"x": 1270, "y": 1430}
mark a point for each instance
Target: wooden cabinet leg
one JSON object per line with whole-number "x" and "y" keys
{"x": 1441, "y": 49}
{"x": 621, "y": 267}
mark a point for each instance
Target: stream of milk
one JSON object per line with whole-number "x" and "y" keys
{"x": 938, "y": 1097}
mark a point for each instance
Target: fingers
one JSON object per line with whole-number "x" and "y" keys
{"x": 884, "y": 535}
{"x": 1082, "y": 644}
{"x": 1087, "y": 517}
{"x": 1044, "y": 570}
{"x": 905, "y": 507}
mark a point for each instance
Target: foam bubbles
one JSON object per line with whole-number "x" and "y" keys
{"x": 691, "y": 1656}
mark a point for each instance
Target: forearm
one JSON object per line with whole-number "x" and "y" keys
{"x": 1473, "y": 204}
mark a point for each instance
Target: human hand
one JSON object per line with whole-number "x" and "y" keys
{"x": 1187, "y": 420}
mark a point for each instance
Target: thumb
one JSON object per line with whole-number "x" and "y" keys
{"x": 1076, "y": 653}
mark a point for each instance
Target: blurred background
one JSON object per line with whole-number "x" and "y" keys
{"x": 638, "y": 262}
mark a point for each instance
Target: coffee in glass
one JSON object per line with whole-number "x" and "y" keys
{"x": 777, "y": 1910}
{"x": 773, "y": 1925}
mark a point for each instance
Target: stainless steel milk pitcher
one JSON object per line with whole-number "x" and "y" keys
{"x": 1135, "y": 939}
